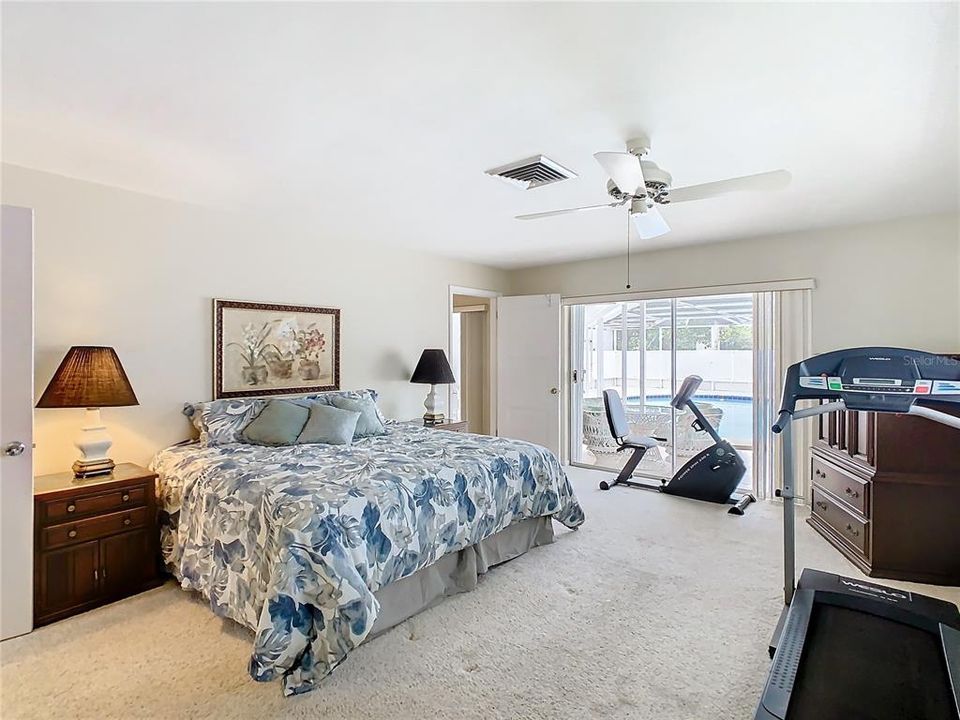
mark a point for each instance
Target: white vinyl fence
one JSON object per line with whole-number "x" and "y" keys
{"x": 725, "y": 372}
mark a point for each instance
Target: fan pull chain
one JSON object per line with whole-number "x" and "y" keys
{"x": 628, "y": 249}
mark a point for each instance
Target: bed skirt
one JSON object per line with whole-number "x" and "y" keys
{"x": 457, "y": 572}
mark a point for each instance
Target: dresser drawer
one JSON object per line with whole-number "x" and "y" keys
{"x": 93, "y": 528}
{"x": 847, "y": 525}
{"x": 842, "y": 484}
{"x": 53, "y": 511}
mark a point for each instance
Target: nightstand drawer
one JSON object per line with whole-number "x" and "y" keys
{"x": 843, "y": 522}
{"x": 93, "y": 528}
{"x": 850, "y": 489}
{"x": 61, "y": 509}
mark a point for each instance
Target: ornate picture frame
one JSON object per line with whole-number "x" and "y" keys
{"x": 273, "y": 349}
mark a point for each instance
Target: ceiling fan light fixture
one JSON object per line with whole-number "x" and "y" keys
{"x": 644, "y": 185}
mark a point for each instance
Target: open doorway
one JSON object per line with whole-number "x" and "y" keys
{"x": 472, "y": 329}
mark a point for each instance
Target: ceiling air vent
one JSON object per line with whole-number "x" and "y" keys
{"x": 533, "y": 172}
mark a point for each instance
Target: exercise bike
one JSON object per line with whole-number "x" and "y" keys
{"x": 713, "y": 474}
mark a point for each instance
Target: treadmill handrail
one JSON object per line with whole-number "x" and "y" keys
{"x": 935, "y": 415}
{"x": 788, "y": 416}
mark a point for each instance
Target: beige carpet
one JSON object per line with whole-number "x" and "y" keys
{"x": 657, "y": 608}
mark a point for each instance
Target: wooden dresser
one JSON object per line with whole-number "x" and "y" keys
{"x": 96, "y": 540}
{"x": 885, "y": 491}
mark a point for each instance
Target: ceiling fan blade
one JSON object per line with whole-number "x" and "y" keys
{"x": 774, "y": 180}
{"x": 551, "y": 213}
{"x": 650, "y": 224}
{"x": 625, "y": 171}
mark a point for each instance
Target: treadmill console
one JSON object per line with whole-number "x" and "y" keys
{"x": 881, "y": 379}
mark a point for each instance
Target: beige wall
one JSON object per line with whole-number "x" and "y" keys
{"x": 138, "y": 272}
{"x": 891, "y": 283}
{"x": 474, "y": 367}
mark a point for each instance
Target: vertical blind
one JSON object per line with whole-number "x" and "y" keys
{"x": 782, "y": 337}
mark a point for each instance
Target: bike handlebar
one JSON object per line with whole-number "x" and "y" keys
{"x": 687, "y": 390}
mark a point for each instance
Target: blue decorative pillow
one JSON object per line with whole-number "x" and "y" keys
{"x": 327, "y": 398}
{"x": 329, "y": 425}
{"x": 279, "y": 423}
{"x": 220, "y": 422}
{"x": 369, "y": 422}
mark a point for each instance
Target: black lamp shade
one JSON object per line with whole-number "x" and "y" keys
{"x": 433, "y": 369}
{"x": 89, "y": 377}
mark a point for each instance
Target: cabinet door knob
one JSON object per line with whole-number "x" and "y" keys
{"x": 72, "y": 534}
{"x": 125, "y": 497}
{"x": 126, "y": 521}
{"x": 71, "y": 508}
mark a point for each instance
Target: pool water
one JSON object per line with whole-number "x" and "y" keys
{"x": 737, "y": 422}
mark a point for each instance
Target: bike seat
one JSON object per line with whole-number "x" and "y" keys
{"x": 640, "y": 441}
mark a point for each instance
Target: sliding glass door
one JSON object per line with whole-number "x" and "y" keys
{"x": 644, "y": 349}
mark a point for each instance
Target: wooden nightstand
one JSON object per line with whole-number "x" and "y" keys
{"x": 96, "y": 540}
{"x": 451, "y": 425}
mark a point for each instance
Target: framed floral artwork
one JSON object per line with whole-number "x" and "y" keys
{"x": 269, "y": 349}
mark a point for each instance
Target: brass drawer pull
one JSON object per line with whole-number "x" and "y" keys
{"x": 855, "y": 533}
{"x": 819, "y": 474}
{"x": 822, "y": 505}
{"x": 72, "y": 533}
{"x": 125, "y": 497}
{"x": 71, "y": 508}
{"x": 851, "y": 493}
{"x": 126, "y": 521}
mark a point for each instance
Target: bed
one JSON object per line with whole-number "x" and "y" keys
{"x": 317, "y": 548}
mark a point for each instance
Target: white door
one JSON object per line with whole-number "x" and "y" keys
{"x": 16, "y": 422}
{"x": 528, "y": 369}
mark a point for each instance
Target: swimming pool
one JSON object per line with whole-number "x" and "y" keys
{"x": 737, "y": 422}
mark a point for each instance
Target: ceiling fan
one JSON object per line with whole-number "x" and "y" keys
{"x": 642, "y": 185}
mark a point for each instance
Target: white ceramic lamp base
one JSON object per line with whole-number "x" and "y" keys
{"x": 93, "y": 443}
{"x": 434, "y": 413}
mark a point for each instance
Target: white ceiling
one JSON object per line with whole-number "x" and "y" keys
{"x": 380, "y": 119}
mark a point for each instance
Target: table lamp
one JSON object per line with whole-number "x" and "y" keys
{"x": 433, "y": 369}
{"x": 92, "y": 378}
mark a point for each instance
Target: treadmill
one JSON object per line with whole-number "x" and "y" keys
{"x": 847, "y": 648}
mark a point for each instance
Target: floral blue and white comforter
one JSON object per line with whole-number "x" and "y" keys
{"x": 293, "y": 541}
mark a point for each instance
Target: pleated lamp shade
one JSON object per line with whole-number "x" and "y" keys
{"x": 89, "y": 377}
{"x": 433, "y": 369}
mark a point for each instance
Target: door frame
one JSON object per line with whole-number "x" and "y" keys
{"x": 492, "y": 295}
